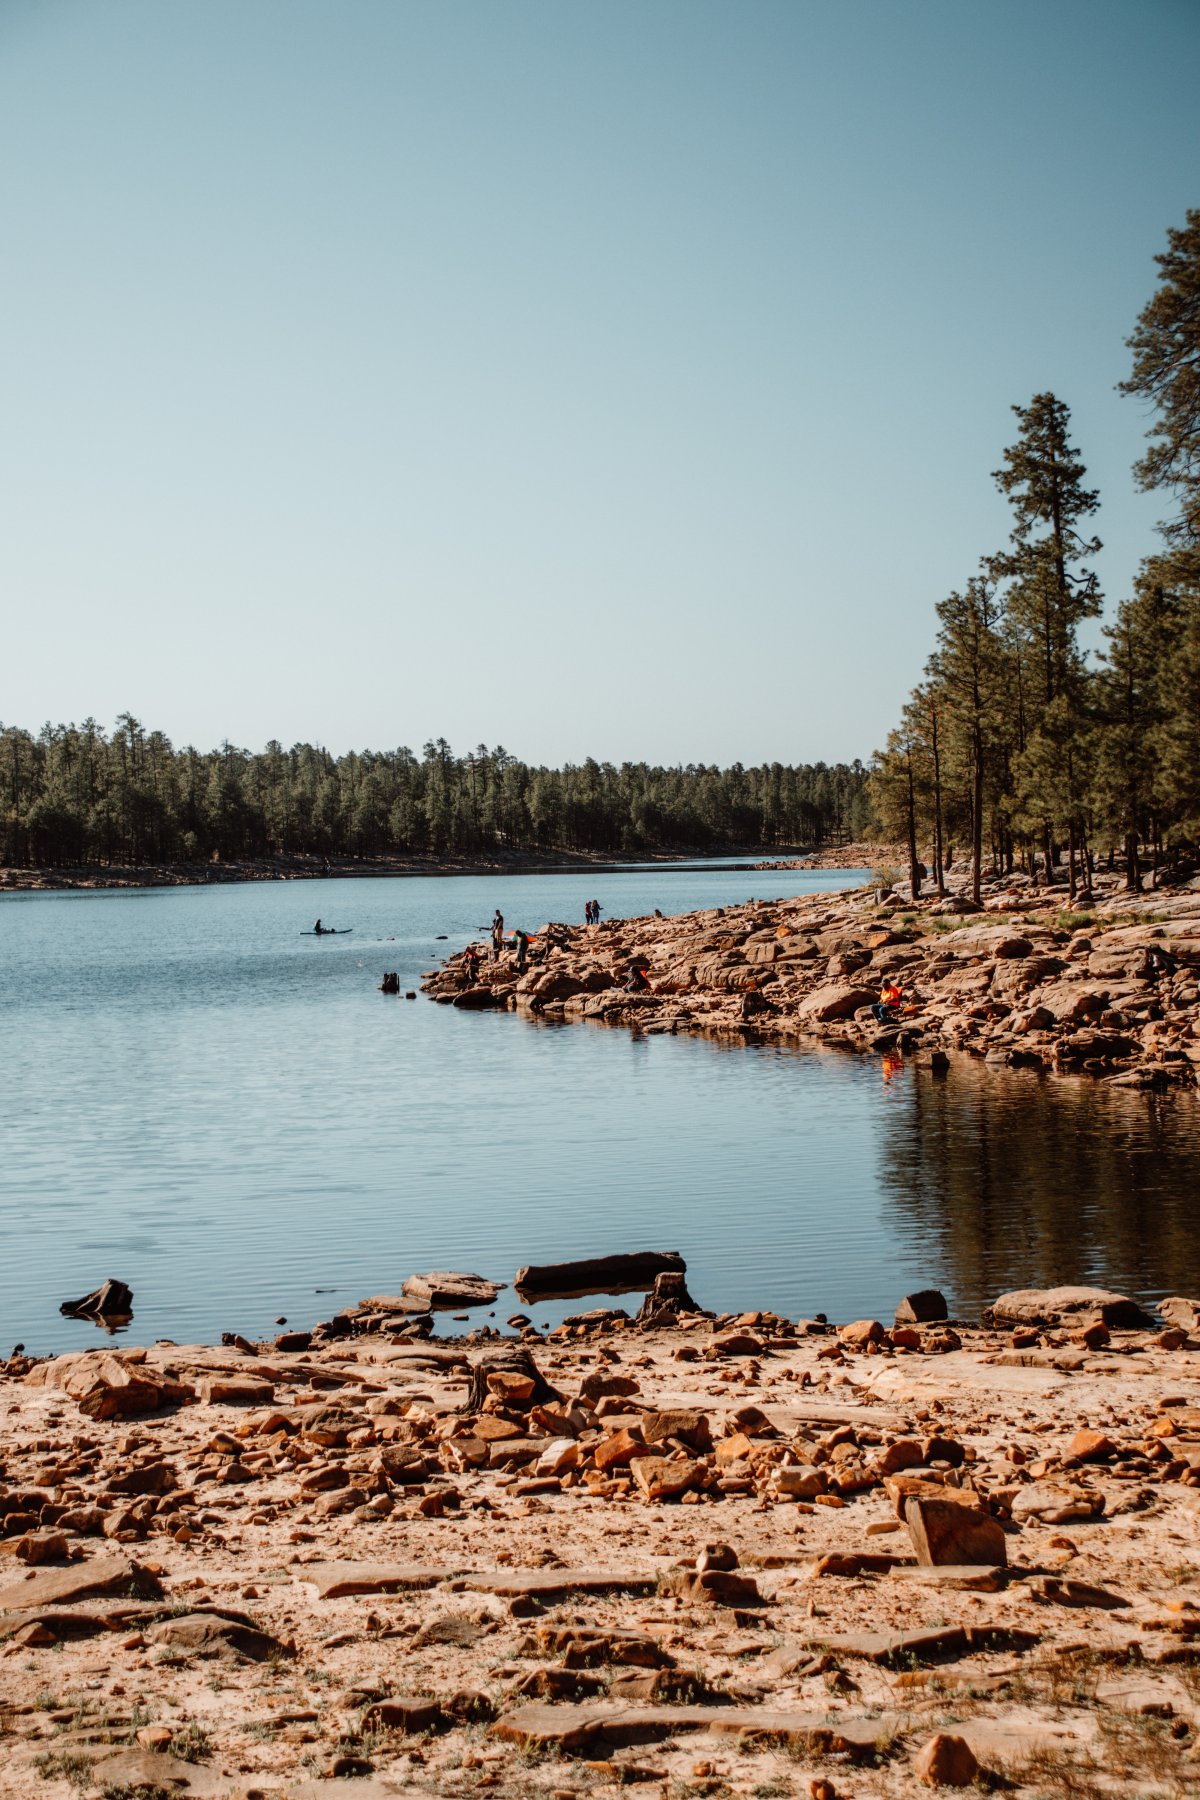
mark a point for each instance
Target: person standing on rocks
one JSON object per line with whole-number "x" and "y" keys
{"x": 522, "y": 943}
{"x": 497, "y": 934}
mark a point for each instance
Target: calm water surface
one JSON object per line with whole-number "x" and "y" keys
{"x": 226, "y": 1114}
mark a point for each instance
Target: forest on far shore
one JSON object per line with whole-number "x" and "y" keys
{"x": 74, "y": 796}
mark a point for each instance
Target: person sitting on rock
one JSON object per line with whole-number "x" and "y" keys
{"x": 637, "y": 982}
{"x": 890, "y": 997}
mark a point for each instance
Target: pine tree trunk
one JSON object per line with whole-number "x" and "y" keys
{"x": 1133, "y": 879}
{"x": 977, "y": 824}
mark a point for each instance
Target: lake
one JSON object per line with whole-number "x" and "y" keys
{"x": 225, "y": 1113}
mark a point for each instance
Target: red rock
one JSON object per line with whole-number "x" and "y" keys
{"x": 1089, "y": 1446}
{"x": 946, "y": 1761}
{"x": 928, "y": 1307}
{"x": 861, "y": 1333}
{"x": 661, "y": 1478}
{"x": 619, "y": 1450}
{"x": 687, "y": 1425}
{"x": 906, "y": 1453}
{"x": 945, "y": 1531}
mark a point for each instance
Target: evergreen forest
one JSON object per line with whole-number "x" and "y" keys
{"x": 75, "y": 796}
{"x": 1022, "y": 747}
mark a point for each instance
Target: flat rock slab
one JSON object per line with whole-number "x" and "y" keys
{"x": 130, "y": 1771}
{"x": 543, "y": 1727}
{"x": 98, "y": 1575}
{"x": 903, "y": 1648}
{"x": 75, "y": 1622}
{"x": 445, "y": 1287}
{"x": 336, "y": 1580}
{"x": 210, "y": 1635}
{"x": 974, "y": 1578}
{"x": 1065, "y": 1305}
{"x": 555, "y": 1584}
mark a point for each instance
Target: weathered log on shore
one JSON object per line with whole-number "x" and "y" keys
{"x": 597, "y": 1275}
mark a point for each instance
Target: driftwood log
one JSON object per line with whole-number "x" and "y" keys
{"x": 507, "y": 1359}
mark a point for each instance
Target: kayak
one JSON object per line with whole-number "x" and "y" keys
{"x": 327, "y": 932}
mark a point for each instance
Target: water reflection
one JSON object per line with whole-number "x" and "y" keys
{"x": 1017, "y": 1179}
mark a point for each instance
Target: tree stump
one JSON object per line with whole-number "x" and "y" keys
{"x": 507, "y": 1359}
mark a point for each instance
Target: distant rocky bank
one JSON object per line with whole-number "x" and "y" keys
{"x": 315, "y": 868}
{"x": 1113, "y": 990}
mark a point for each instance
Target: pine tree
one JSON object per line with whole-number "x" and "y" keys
{"x": 1050, "y": 592}
{"x": 1166, "y": 371}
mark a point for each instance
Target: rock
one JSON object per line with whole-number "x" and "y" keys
{"x": 445, "y": 1289}
{"x": 861, "y": 1333}
{"x": 117, "y": 1386}
{"x": 619, "y": 1450}
{"x": 409, "y": 1717}
{"x": 946, "y": 1761}
{"x": 235, "y": 1390}
{"x": 333, "y": 1580}
{"x": 96, "y": 1575}
{"x": 835, "y": 1000}
{"x": 799, "y": 1482}
{"x": 1064, "y": 1306}
{"x": 926, "y": 1307}
{"x": 1089, "y": 1446}
{"x": 1185, "y": 1314}
{"x": 42, "y": 1547}
{"x": 1056, "y": 1504}
{"x": 559, "y": 1455}
{"x": 713, "y": 1587}
{"x": 735, "y": 1343}
{"x": 212, "y": 1635}
{"x": 549, "y": 1585}
{"x": 662, "y": 1478}
{"x": 510, "y": 1388}
{"x": 151, "y": 1772}
{"x": 596, "y": 1274}
{"x": 685, "y": 1425}
{"x": 945, "y": 1531}
{"x": 113, "y": 1300}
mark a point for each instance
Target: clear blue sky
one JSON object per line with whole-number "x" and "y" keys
{"x": 619, "y": 379}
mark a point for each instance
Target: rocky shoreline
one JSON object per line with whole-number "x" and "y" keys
{"x": 688, "y": 1554}
{"x": 1111, "y": 991}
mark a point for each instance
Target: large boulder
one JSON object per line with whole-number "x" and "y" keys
{"x": 1065, "y": 1306}
{"x": 835, "y": 1000}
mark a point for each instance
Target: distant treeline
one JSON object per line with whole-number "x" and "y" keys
{"x": 1019, "y": 748}
{"x": 73, "y": 796}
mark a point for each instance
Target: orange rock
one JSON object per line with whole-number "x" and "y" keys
{"x": 619, "y": 1450}
{"x": 660, "y": 1478}
{"x": 861, "y": 1333}
{"x": 1089, "y": 1446}
{"x": 945, "y": 1531}
{"x": 947, "y": 1761}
